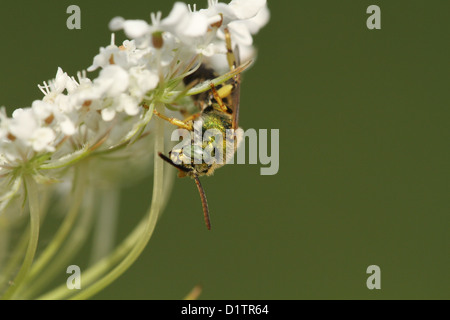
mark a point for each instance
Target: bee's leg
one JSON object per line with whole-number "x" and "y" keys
{"x": 177, "y": 122}
{"x": 231, "y": 58}
{"x": 192, "y": 117}
{"x": 218, "y": 98}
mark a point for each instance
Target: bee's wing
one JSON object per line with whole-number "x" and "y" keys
{"x": 235, "y": 95}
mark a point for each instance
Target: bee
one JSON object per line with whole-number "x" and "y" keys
{"x": 219, "y": 110}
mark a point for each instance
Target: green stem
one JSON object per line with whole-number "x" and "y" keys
{"x": 4, "y": 245}
{"x": 33, "y": 202}
{"x": 66, "y": 226}
{"x": 94, "y": 272}
{"x": 70, "y": 248}
{"x": 158, "y": 182}
{"x": 104, "y": 233}
{"x": 13, "y": 263}
{"x": 131, "y": 247}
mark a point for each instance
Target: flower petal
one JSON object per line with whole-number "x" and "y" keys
{"x": 196, "y": 26}
{"x": 178, "y": 13}
{"x": 135, "y": 28}
{"x": 42, "y": 139}
{"x": 113, "y": 80}
{"x": 240, "y": 33}
{"x": 108, "y": 114}
{"x": 246, "y": 9}
{"x": 116, "y": 23}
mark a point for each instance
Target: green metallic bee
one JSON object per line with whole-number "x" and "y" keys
{"x": 219, "y": 111}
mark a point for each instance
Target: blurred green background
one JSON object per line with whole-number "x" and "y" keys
{"x": 364, "y": 153}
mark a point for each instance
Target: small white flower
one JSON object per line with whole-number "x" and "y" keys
{"x": 208, "y": 50}
{"x": 242, "y": 31}
{"x": 23, "y": 124}
{"x": 55, "y": 86}
{"x": 58, "y": 85}
{"x": 218, "y": 9}
{"x": 116, "y": 24}
{"x": 43, "y": 110}
{"x": 112, "y": 81}
{"x": 51, "y": 114}
{"x": 134, "y": 56}
{"x": 108, "y": 114}
{"x": 128, "y": 104}
{"x": 107, "y": 56}
{"x": 71, "y": 85}
{"x": 26, "y": 129}
{"x": 234, "y": 11}
{"x": 66, "y": 124}
{"x": 42, "y": 140}
{"x": 141, "y": 81}
{"x": 184, "y": 23}
{"x": 132, "y": 28}
{"x": 255, "y": 23}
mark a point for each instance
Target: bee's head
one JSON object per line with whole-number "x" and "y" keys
{"x": 189, "y": 170}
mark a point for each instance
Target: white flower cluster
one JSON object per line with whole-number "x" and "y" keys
{"x": 76, "y": 113}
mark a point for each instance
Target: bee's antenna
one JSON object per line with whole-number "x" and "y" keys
{"x": 204, "y": 202}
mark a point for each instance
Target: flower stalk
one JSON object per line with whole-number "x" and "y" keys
{"x": 50, "y": 251}
{"x": 34, "y": 206}
{"x": 149, "y": 226}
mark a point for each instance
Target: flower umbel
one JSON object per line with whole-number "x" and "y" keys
{"x": 73, "y": 144}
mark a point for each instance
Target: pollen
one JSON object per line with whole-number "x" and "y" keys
{"x": 11, "y": 137}
{"x": 49, "y": 119}
{"x": 87, "y": 104}
{"x": 157, "y": 40}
